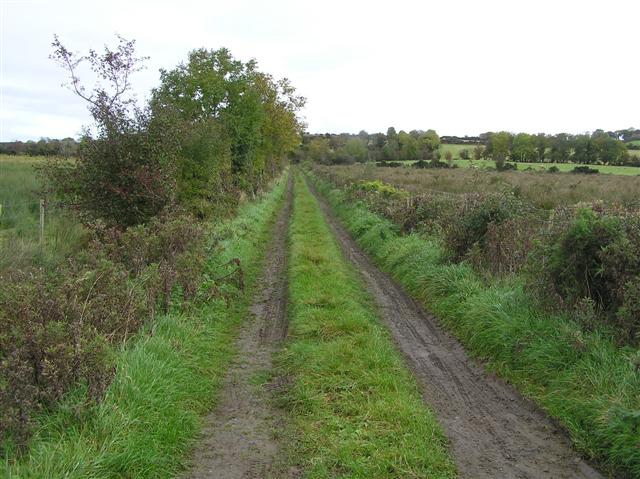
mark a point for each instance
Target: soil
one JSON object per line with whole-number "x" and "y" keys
{"x": 493, "y": 431}
{"x": 239, "y": 438}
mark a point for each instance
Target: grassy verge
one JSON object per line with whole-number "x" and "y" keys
{"x": 583, "y": 379}
{"x": 356, "y": 410}
{"x": 166, "y": 379}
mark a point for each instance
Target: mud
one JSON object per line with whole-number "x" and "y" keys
{"x": 494, "y": 432}
{"x": 239, "y": 438}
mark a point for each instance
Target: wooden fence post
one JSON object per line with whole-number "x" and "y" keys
{"x": 41, "y": 221}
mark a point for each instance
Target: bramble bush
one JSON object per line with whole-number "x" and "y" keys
{"x": 468, "y": 228}
{"x": 169, "y": 250}
{"x": 594, "y": 255}
{"x": 55, "y": 331}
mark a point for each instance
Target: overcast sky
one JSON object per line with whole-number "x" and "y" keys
{"x": 458, "y": 66}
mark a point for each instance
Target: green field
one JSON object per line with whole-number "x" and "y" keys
{"x": 456, "y": 149}
{"x": 20, "y": 193}
{"x": 563, "y": 167}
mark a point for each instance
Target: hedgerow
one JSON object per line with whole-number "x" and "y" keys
{"x": 144, "y": 180}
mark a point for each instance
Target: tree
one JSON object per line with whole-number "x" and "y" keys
{"x": 449, "y": 157}
{"x": 391, "y": 150}
{"x": 560, "y": 148}
{"x": 124, "y": 171}
{"x": 498, "y": 146}
{"x": 356, "y": 149}
{"x": 584, "y": 150}
{"x": 408, "y": 146}
{"x": 608, "y": 149}
{"x": 237, "y": 122}
{"x": 478, "y": 151}
{"x": 523, "y": 148}
{"x": 429, "y": 142}
{"x": 541, "y": 145}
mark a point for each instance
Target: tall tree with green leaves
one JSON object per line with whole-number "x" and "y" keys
{"x": 523, "y": 148}
{"x": 237, "y": 122}
{"x": 429, "y": 142}
{"x": 498, "y": 146}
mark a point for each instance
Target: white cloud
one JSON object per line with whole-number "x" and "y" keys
{"x": 459, "y": 66}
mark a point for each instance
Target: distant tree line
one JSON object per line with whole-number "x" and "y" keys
{"x": 599, "y": 147}
{"x": 43, "y": 147}
{"x": 347, "y": 148}
{"x": 462, "y": 140}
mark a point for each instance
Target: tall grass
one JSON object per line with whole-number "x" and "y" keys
{"x": 356, "y": 410}
{"x": 586, "y": 381}
{"x": 543, "y": 189}
{"x": 166, "y": 378}
{"x": 20, "y": 244}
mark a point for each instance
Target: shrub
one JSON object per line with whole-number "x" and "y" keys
{"x": 124, "y": 173}
{"x": 388, "y": 164}
{"x": 169, "y": 250}
{"x": 506, "y": 166}
{"x": 553, "y": 169}
{"x": 429, "y": 213}
{"x": 378, "y": 187}
{"x": 421, "y": 164}
{"x": 591, "y": 253}
{"x": 576, "y": 262}
{"x": 430, "y": 164}
{"x": 470, "y": 225}
{"x": 585, "y": 170}
{"x": 627, "y": 317}
{"x": 55, "y": 330}
{"x": 506, "y": 245}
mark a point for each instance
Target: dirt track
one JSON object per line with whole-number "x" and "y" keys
{"x": 494, "y": 432}
{"x": 238, "y": 439}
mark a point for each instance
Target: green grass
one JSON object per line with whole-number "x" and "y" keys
{"x": 20, "y": 245}
{"x": 586, "y": 381}
{"x": 563, "y": 167}
{"x": 355, "y": 408}
{"x": 166, "y": 379}
{"x": 456, "y": 149}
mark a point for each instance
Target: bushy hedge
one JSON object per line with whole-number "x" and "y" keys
{"x": 57, "y": 326}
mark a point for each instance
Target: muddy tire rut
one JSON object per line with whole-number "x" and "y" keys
{"x": 494, "y": 432}
{"x": 239, "y": 438}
